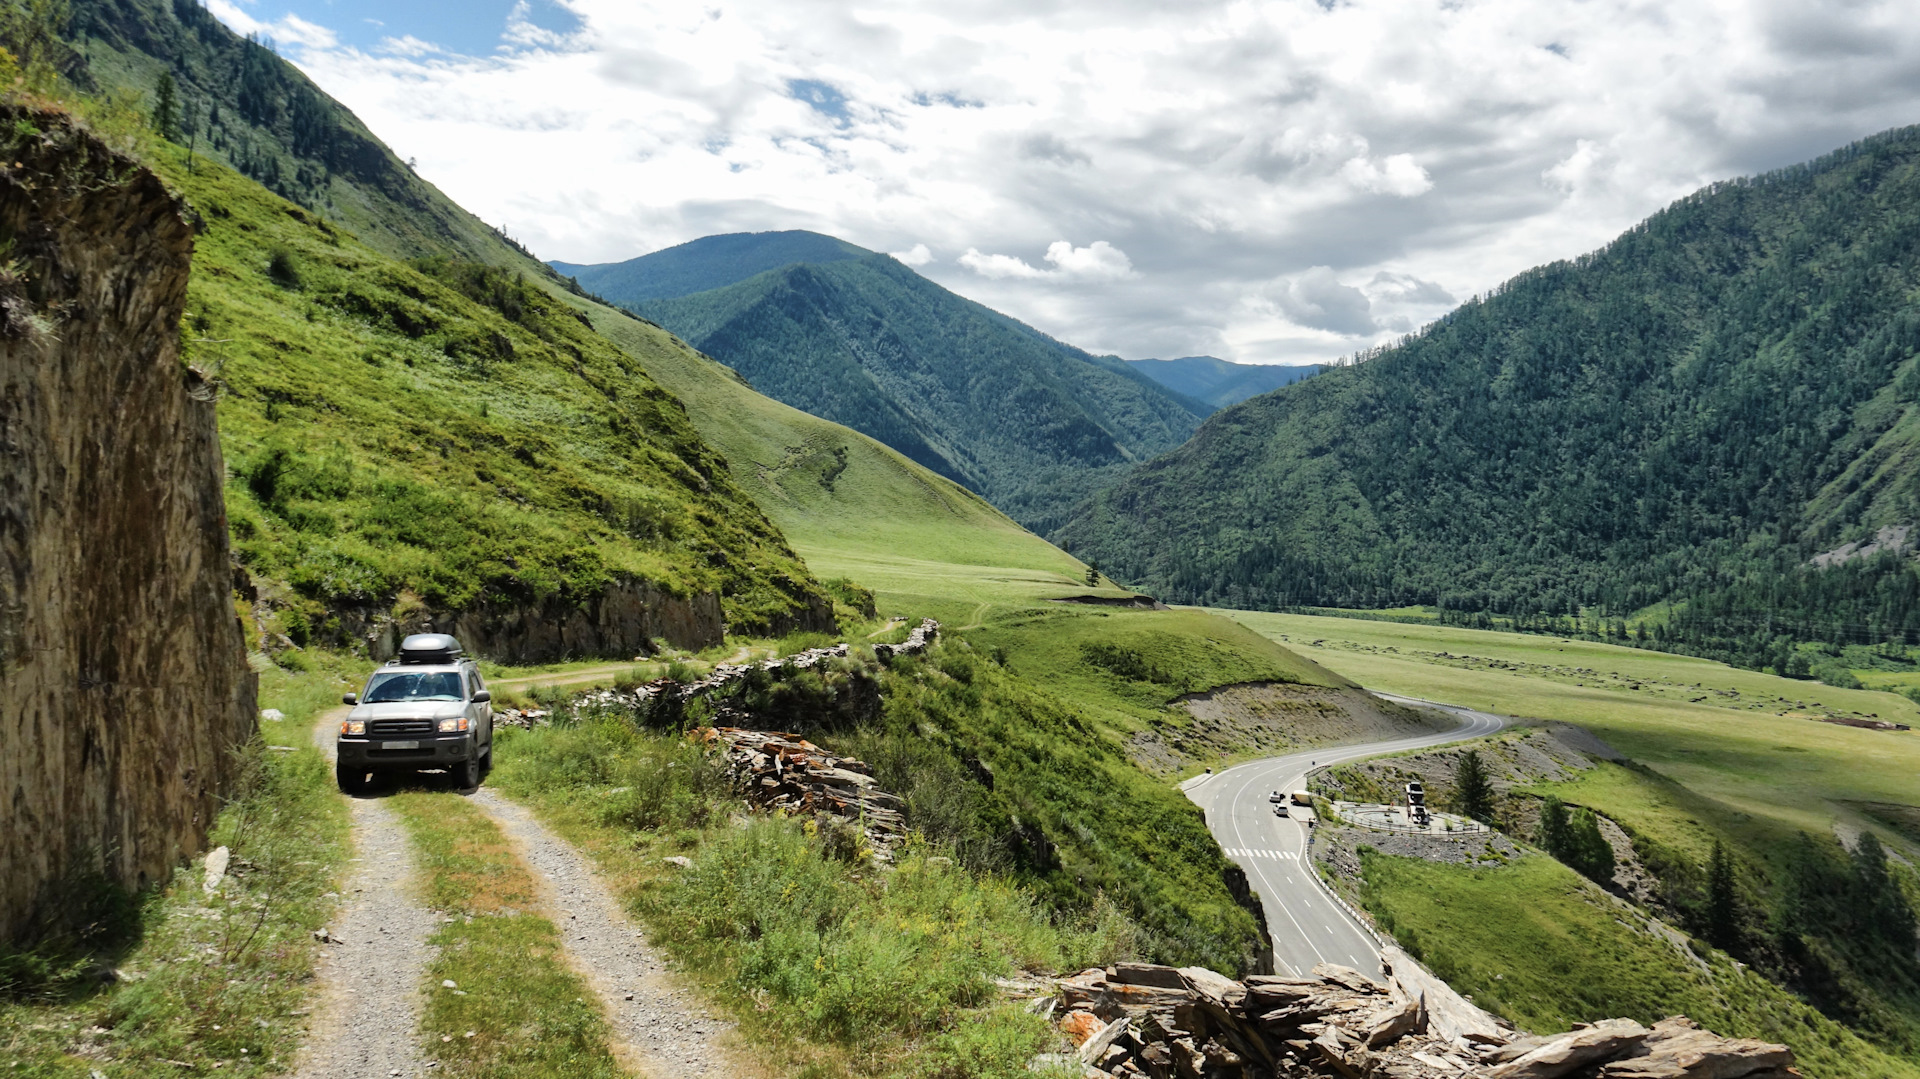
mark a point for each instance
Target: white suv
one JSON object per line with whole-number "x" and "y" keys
{"x": 427, "y": 708}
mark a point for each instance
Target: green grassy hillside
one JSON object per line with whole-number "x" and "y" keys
{"x": 241, "y": 105}
{"x": 1717, "y": 755}
{"x": 1535, "y": 942}
{"x": 442, "y": 435}
{"x": 852, "y": 506}
{"x": 1031, "y": 424}
{"x": 1688, "y": 414}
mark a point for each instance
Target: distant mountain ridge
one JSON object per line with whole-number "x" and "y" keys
{"x": 1221, "y": 383}
{"x": 1685, "y": 416}
{"x": 1031, "y": 424}
{"x": 707, "y": 263}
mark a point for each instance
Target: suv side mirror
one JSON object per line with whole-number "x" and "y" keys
{"x": 351, "y": 698}
{"x": 482, "y": 697}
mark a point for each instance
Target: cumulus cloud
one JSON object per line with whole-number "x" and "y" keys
{"x": 1317, "y": 300}
{"x": 1393, "y": 175}
{"x": 1216, "y": 147}
{"x": 1098, "y": 261}
{"x": 917, "y": 255}
{"x": 1407, "y": 288}
{"x": 287, "y": 30}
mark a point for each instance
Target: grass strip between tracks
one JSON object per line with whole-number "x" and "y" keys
{"x": 530, "y": 1016}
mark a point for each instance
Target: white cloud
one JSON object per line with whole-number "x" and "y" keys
{"x": 1393, "y": 175}
{"x": 999, "y": 267}
{"x": 1318, "y": 301}
{"x": 917, "y": 255}
{"x": 409, "y": 46}
{"x": 288, "y": 30}
{"x": 1223, "y": 146}
{"x": 1098, "y": 261}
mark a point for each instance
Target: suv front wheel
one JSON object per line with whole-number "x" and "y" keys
{"x": 351, "y": 781}
{"x": 468, "y": 773}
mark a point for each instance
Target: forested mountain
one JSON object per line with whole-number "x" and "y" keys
{"x": 707, "y": 263}
{"x": 1689, "y": 414}
{"x": 1029, "y": 423}
{"x": 1219, "y": 382}
{"x": 238, "y": 103}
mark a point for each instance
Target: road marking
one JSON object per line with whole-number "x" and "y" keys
{"x": 1478, "y": 724}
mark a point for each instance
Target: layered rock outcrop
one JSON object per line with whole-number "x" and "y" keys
{"x": 124, "y": 686}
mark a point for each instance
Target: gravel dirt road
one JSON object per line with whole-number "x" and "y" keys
{"x": 365, "y": 1023}
{"x": 658, "y": 1027}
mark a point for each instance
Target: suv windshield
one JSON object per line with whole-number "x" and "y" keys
{"x": 414, "y": 686}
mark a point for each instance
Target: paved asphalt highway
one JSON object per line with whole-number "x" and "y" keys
{"x": 1307, "y": 925}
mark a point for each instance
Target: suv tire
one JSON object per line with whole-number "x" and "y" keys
{"x": 468, "y": 774}
{"x": 350, "y": 780}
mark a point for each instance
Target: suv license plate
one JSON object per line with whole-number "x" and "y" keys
{"x": 399, "y": 745}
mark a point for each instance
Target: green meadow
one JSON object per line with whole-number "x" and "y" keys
{"x": 1752, "y": 744}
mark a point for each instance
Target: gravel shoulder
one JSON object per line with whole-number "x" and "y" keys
{"x": 366, "y": 1018}
{"x": 658, "y": 1025}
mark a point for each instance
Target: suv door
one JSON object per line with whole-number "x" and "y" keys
{"x": 481, "y": 712}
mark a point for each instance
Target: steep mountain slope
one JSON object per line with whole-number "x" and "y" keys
{"x": 707, "y": 263}
{"x": 1221, "y": 383}
{"x": 851, "y": 506}
{"x": 440, "y": 440}
{"x": 1031, "y": 424}
{"x": 241, "y": 105}
{"x": 1722, "y": 392}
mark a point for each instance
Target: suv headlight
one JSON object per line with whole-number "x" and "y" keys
{"x": 353, "y": 726}
{"x": 452, "y": 726}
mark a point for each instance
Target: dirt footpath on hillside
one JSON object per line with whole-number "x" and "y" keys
{"x": 1272, "y": 718}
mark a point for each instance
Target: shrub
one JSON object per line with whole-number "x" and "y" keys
{"x": 1834, "y": 674}
{"x": 283, "y": 266}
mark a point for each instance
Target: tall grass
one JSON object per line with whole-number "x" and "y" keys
{"x": 812, "y": 944}
{"x": 196, "y": 979}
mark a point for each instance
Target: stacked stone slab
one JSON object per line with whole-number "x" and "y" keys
{"x": 787, "y": 773}
{"x": 721, "y": 677}
{"x": 1141, "y": 1020}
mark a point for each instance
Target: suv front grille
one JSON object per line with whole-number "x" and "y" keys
{"x": 395, "y": 728}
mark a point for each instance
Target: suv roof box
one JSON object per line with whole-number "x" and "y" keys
{"x": 430, "y": 648}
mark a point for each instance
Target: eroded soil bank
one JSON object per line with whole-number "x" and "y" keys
{"x": 1271, "y": 718}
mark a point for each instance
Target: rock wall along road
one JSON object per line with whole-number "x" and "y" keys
{"x": 124, "y": 686}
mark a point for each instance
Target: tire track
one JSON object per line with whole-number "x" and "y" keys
{"x": 657, "y": 1025}
{"x": 366, "y": 1024}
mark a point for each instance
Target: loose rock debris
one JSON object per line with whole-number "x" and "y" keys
{"x": 1137, "y": 1019}
{"x": 722, "y": 676}
{"x": 785, "y": 772}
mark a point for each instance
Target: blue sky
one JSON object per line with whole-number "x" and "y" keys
{"x": 467, "y": 27}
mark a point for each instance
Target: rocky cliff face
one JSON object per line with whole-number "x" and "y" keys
{"x": 623, "y": 620}
{"x": 124, "y": 686}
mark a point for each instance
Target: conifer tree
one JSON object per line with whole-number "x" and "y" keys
{"x": 1472, "y": 790}
{"x": 166, "y": 108}
{"x": 1723, "y": 902}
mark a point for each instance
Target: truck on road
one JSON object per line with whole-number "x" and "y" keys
{"x": 426, "y": 709}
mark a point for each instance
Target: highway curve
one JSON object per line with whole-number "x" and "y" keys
{"x": 1308, "y": 925}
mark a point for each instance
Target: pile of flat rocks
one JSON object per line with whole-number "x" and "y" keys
{"x": 720, "y": 677}
{"x": 917, "y": 642}
{"x": 785, "y": 772}
{"x": 1137, "y": 1019}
